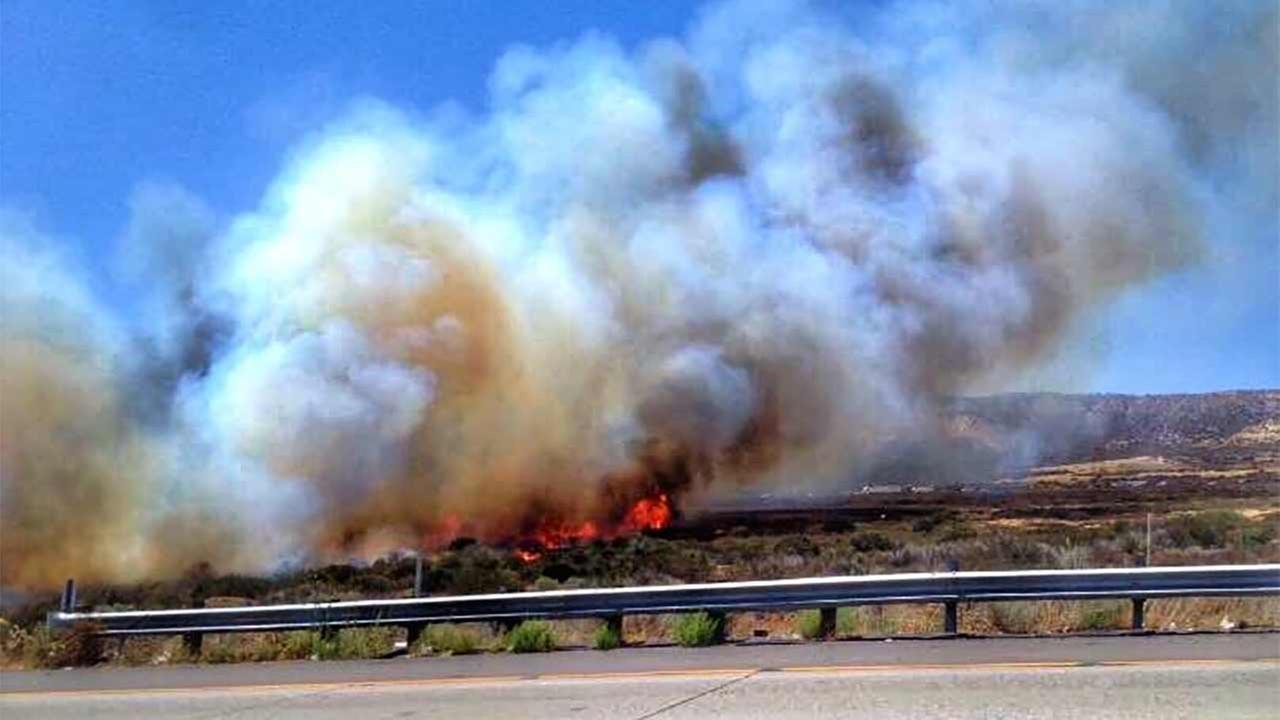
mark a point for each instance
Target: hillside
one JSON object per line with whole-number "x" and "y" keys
{"x": 979, "y": 440}
{"x": 1228, "y": 432}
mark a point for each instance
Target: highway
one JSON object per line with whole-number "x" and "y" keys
{"x": 1185, "y": 676}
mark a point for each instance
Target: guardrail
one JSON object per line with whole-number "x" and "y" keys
{"x": 826, "y": 593}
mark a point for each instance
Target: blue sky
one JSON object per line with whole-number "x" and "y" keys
{"x": 97, "y": 97}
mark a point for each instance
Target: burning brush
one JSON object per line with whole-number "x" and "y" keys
{"x": 646, "y": 514}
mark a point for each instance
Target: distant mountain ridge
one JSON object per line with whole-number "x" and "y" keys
{"x": 980, "y": 439}
{"x": 1097, "y": 427}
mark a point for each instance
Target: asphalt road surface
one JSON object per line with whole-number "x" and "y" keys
{"x": 1194, "y": 676}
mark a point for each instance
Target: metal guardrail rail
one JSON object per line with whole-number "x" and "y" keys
{"x": 826, "y": 593}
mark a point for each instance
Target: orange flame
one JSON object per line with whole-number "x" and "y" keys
{"x": 648, "y": 514}
{"x": 651, "y": 513}
{"x": 443, "y": 532}
{"x": 527, "y": 556}
{"x": 552, "y": 535}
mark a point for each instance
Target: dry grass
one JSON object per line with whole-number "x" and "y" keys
{"x": 1213, "y": 613}
{"x": 348, "y": 643}
{"x": 451, "y": 639}
{"x": 146, "y": 650}
{"x": 1044, "y": 618}
{"x": 39, "y": 647}
{"x": 888, "y": 620}
{"x": 1049, "y": 618}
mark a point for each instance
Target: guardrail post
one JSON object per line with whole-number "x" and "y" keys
{"x": 68, "y": 602}
{"x": 827, "y": 623}
{"x": 718, "y": 617}
{"x": 951, "y": 608}
{"x": 1139, "y": 613}
{"x": 192, "y": 642}
{"x": 614, "y": 622}
{"x": 413, "y": 632}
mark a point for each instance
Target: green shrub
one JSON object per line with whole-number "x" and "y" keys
{"x": 607, "y": 637}
{"x": 927, "y": 523}
{"x": 1103, "y": 616}
{"x": 698, "y": 629}
{"x": 809, "y": 624}
{"x": 309, "y": 645}
{"x": 957, "y": 531}
{"x": 934, "y": 520}
{"x": 1015, "y": 551}
{"x": 847, "y": 621}
{"x": 345, "y": 644}
{"x": 796, "y": 545}
{"x": 531, "y": 636}
{"x": 1261, "y": 534}
{"x": 478, "y": 569}
{"x": 870, "y": 541}
{"x": 448, "y": 640}
{"x": 865, "y": 620}
{"x": 544, "y": 584}
{"x": 359, "y": 643}
{"x": 298, "y": 645}
{"x": 1209, "y": 529}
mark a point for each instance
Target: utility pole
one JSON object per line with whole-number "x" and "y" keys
{"x": 417, "y": 576}
{"x": 413, "y": 631}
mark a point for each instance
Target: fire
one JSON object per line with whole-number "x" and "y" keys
{"x": 648, "y": 514}
{"x": 552, "y": 535}
{"x": 527, "y": 556}
{"x": 445, "y": 530}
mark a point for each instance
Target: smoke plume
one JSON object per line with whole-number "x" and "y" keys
{"x": 758, "y": 254}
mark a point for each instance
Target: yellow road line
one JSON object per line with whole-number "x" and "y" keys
{"x": 626, "y": 675}
{"x": 1205, "y": 661}
{"x": 1021, "y": 665}
{"x": 640, "y": 674}
{"x": 930, "y": 666}
{"x": 279, "y": 687}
